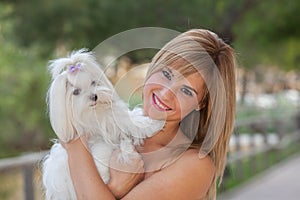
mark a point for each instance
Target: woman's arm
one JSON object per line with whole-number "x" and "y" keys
{"x": 86, "y": 180}
{"x": 124, "y": 176}
{"x": 187, "y": 178}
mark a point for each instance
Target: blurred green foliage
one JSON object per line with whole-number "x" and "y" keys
{"x": 23, "y": 85}
{"x": 257, "y": 28}
{"x": 33, "y": 31}
{"x": 74, "y": 23}
{"x": 269, "y": 34}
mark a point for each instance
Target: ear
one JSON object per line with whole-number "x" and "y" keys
{"x": 202, "y": 103}
{"x": 58, "y": 112}
{"x": 56, "y": 67}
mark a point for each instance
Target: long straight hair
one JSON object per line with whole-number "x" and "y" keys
{"x": 209, "y": 128}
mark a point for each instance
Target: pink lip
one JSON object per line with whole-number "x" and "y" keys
{"x": 159, "y": 104}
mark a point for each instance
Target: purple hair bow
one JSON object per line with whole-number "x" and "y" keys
{"x": 75, "y": 68}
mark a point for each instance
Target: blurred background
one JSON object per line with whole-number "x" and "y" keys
{"x": 265, "y": 35}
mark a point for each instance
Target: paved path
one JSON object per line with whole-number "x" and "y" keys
{"x": 281, "y": 182}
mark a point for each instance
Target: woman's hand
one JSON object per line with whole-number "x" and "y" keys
{"x": 85, "y": 177}
{"x": 124, "y": 176}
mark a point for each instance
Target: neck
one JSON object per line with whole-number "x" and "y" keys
{"x": 162, "y": 138}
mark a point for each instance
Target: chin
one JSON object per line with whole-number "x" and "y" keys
{"x": 83, "y": 102}
{"x": 155, "y": 114}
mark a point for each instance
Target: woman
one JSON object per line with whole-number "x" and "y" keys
{"x": 191, "y": 85}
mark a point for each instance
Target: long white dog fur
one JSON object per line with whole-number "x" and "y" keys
{"x": 82, "y": 101}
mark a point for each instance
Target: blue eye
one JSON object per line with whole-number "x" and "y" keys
{"x": 187, "y": 92}
{"x": 167, "y": 74}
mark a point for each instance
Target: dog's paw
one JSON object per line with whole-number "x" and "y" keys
{"x": 127, "y": 151}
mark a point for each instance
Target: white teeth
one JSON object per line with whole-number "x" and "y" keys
{"x": 159, "y": 104}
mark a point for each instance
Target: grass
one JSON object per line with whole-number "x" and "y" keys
{"x": 244, "y": 170}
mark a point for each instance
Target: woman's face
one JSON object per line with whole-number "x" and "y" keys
{"x": 167, "y": 95}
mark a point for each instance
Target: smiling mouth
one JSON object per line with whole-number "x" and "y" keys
{"x": 160, "y": 105}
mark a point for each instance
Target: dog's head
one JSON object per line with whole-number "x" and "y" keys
{"x": 78, "y": 87}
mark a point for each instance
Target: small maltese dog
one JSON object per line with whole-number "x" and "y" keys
{"x": 83, "y": 102}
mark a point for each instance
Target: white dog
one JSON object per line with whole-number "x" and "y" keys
{"x": 82, "y": 101}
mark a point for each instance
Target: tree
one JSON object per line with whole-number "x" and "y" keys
{"x": 23, "y": 86}
{"x": 74, "y": 24}
{"x": 36, "y": 28}
{"x": 269, "y": 33}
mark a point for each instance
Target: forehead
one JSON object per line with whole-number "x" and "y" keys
{"x": 183, "y": 68}
{"x": 186, "y": 70}
{"x": 81, "y": 79}
{"x": 193, "y": 79}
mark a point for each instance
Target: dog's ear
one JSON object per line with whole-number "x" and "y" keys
{"x": 58, "y": 111}
{"x": 57, "y": 66}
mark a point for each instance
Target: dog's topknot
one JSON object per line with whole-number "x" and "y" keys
{"x": 58, "y": 66}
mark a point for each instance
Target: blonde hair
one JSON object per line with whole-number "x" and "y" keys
{"x": 209, "y": 128}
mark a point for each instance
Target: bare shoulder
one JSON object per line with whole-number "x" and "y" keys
{"x": 202, "y": 170}
{"x": 189, "y": 177}
{"x": 191, "y": 160}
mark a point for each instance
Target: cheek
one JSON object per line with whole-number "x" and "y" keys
{"x": 148, "y": 107}
{"x": 148, "y": 89}
{"x": 155, "y": 80}
{"x": 146, "y": 96}
{"x": 186, "y": 104}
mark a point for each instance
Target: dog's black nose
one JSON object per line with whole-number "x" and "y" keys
{"x": 93, "y": 97}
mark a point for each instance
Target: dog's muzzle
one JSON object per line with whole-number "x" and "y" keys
{"x": 93, "y": 97}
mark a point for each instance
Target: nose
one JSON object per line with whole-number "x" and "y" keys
{"x": 167, "y": 94}
{"x": 93, "y": 97}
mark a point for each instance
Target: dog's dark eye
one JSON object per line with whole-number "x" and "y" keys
{"x": 76, "y": 92}
{"x": 95, "y": 83}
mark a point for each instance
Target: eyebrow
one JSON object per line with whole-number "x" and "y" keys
{"x": 191, "y": 89}
{"x": 170, "y": 71}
